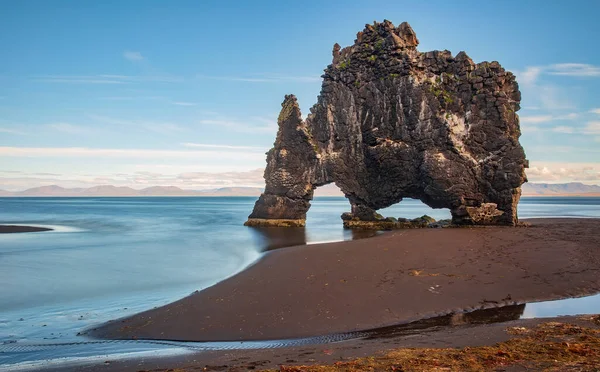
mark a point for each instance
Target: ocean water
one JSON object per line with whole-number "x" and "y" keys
{"x": 112, "y": 257}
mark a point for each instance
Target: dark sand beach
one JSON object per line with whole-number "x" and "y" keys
{"x": 397, "y": 277}
{"x": 9, "y": 229}
{"x": 465, "y": 342}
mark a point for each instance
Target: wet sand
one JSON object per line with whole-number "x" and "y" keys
{"x": 385, "y": 280}
{"x": 449, "y": 336}
{"x": 9, "y": 229}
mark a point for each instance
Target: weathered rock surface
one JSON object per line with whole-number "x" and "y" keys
{"x": 392, "y": 122}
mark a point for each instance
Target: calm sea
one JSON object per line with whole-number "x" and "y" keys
{"x": 111, "y": 257}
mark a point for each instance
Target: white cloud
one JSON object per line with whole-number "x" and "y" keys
{"x": 592, "y": 127}
{"x": 133, "y": 56}
{"x": 574, "y": 69}
{"x": 563, "y": 129}
{"x": 229, "y": 147}
{"x": 550, "y": 96}
{"x": 12, "y": 131}
{"x": 184, "y": 103}
{"x": 595, "y": 111}
{"x": 78, "y": 80}
{"x": 530, "y": 75}
{"x": 571, "y": 116}
{"x": 164, "y": 128}
{"x": 68, "y": 128}
{"x": 253, "y": 125}
{"x": 158, "y": 127}
{"x": 126, "y": 153}
{"x": 131, "y": 98}
{"x": 264, "y": 78}
{"x": 530, "y": 129}
{"x": 138, "y": 179}
{"x": 535, "y": 119}
{"x": 105, "y": 79}
{"x": 541, "y": 149}
{"x": 562, "y": 172}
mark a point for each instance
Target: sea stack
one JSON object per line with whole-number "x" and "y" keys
{"x": 392, "y": 122}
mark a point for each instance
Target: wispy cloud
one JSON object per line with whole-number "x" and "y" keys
{"x": 12, "y": 131}
{"x": 180, "y": 103}
{"x": 563, "y": 129}
{"x": 546, "y": 94}
{"x": 93, "y": 79}
{"x": 538, "y": 119}
{"x": 563, "y": 172}
{"x": 125, "y": 153}
{"x": 131, "y": 98}
{"x": 574, "y": 69}
{"x": 252, "y": 125}
{"x": 530, "y": 75}
{"x": 595, "y": 111}
{"x": 138, "y": 179}
{"x": 592, "y": 127}
{"x": 68, "y": 128}
{"x": 47, "y": 174}
{"x": 264, "y": 78}
{"x": 158, "y": 127}
{"x": 105, "y": 79}
{"x": 229, "y": 147}
{"x": 133, "y": 56}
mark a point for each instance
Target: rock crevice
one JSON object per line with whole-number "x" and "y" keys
{"x": 392, "y": 122}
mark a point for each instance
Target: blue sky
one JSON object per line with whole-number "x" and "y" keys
{"x": 186, "y": 93}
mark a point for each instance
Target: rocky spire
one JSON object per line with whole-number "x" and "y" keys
{"x": 392, "y": 122}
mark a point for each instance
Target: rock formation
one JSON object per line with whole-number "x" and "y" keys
{"x": 392, "y": 123}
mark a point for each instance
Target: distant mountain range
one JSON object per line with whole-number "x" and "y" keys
{"x": 529, "y": 189}
{"x": 109, "y": 190}
{"x": 560, "y": 189}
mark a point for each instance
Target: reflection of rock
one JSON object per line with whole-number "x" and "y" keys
{"x": 8, "y": 229}
{"x": 362, "y": 234}
{"x": 392, "y": 122}
{"x": 482, "y": 316}
{"x": 280, "y": 237}
{"x": 491, "y": 315}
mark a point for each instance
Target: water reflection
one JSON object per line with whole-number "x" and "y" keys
{"x": 271, "y": 238}
{"x": 483, "y": 316}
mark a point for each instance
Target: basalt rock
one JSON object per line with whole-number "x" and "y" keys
{"x": 392, "y": 123}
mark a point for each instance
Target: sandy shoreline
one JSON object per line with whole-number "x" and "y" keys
{"x": 455, "y": 336}
{"x": 10, "y": 229}
{"x": 389, "y": 279}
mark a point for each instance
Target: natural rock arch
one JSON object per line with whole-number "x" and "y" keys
{"x": 392, "y": 122}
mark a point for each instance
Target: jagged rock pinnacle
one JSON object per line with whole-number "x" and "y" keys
{"x": 392, "y": 122}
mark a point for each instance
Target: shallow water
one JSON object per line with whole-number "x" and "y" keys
{"x": 112, "y": 257}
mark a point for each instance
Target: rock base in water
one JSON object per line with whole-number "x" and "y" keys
{"x": 391, "y": 223}
{"x": 264, "y": 222}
